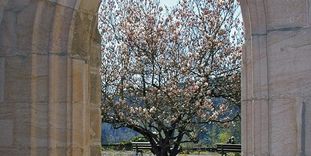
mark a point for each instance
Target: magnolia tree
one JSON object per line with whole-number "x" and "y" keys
{"x": 167, "y": 72}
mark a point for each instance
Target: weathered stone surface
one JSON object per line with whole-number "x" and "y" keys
{"x": 95, "y": 92}
{"x": 283, "y": 127}
{"x": 58, "y": 72}
{"x": 66, "y": 3}
{"x": 80, "y": 116}
{"x": 95, "y": 58}
{"x": 276, "y": 78}
{"x": 306, "y": 126}
{"x": 17, "y": 79}
{"x": 2, "y": 80}
{"x": 290, "y": 56}
{"x": 82, "y": 28}
{"x": 44, "y": 83}
{"x": 40, "y": 125}
{"x": 62, "y": 19}
{"x": 43, "y": 24}
{"x": 6, "y": 131}
{"x": 286, "y": 13}
{"x": 40, "y": 77}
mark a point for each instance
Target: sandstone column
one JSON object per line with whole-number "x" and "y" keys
{"x": 49, "y": 78}
{"x": 276, "y": 85}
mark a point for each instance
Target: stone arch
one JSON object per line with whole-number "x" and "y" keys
{"x": 275, "y": 83}
{"x": 254, "y": 16}
{"x": 49, "y": 92}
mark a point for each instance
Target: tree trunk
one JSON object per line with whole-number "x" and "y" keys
{"x": 160, "y": 151}
{"x": 174, "y": 152}
{"x": 164, "y": 151}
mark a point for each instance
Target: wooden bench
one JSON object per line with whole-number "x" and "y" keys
{"x": 209, "y": 149}
{"x": 140, "y": 146}
{"x": 223, "y": 149}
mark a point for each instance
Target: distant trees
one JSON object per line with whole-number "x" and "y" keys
{"x": 165, "y": 73}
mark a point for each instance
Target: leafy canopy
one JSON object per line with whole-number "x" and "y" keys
{"x": 166, "y": 72}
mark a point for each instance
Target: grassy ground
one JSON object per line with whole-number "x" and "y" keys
{"x": 132, "y": 153}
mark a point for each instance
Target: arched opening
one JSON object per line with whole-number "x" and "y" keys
{"x": 112, "y": 21}
{"x": 275, "y": 83}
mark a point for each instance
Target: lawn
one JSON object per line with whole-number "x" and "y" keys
{"x": 132, "y": 153}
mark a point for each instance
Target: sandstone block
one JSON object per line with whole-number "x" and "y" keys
{"x": 82, "y": 27}
{"x": 95, "y": 93}
{"x": 61, "y": 29}
{"x": 286, "y": 13}
{"x": 58, "y": 82}
{"x": 283, "y": 127}
{"x": 90, "y": 7}
{"x": 289, "y": 62}
{"x": 45, "y": 105}
{"x": 40, "y": 125}
{"x": 17, "y": 79}
{"x": 6, "y": 131}
{"x": 66, "y": 3}
{"x": 79, "y": 73}
{"x": 306, "y": 126}
{"x": 40, "y": 78}
{"x": 95, "y": 127}
{"x": 2, "y": 78}
{"x": 42, "y": 27}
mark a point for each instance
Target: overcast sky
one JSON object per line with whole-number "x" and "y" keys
{"x": 169, "y": 3}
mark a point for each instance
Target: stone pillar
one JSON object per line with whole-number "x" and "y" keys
{"x": 49, "y": 78}
{"x": 276, "y": 81}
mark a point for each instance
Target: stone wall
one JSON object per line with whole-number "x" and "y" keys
{"x": 49, "y": 78}
{"x": 276, "y": 85}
